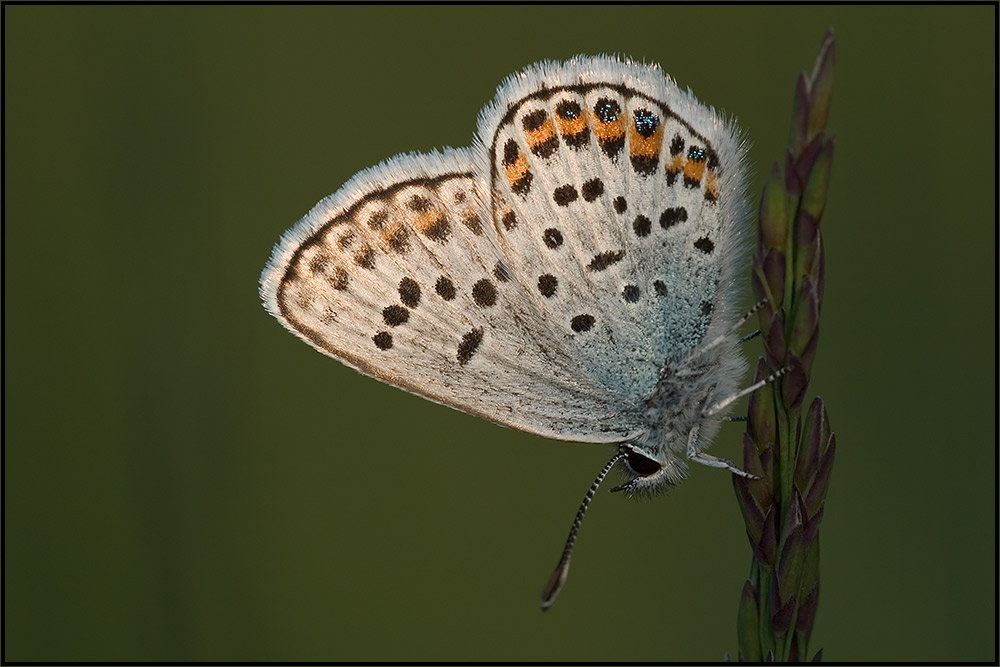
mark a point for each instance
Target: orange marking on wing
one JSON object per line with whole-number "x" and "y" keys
{"x": 712, "y": 184}
{"x": 427, "y": 219}
{"x": 675, "y": 164}
{"x": 611, "y": 130}
{"x": 515, "y": 171}
{"x": 694, "y": 170}
{"x": 388, "y": 232}
{"x": 542, "y": 134}
{"x": 573, "y": 126}
{"x": 644, "y": 146}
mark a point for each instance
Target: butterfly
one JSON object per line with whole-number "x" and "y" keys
{"x": 574, "y": 273}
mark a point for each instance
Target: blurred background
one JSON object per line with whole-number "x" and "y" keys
{"x": 184, "y": 480}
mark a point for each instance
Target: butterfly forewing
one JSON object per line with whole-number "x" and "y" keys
{"x": 399, "y": 275}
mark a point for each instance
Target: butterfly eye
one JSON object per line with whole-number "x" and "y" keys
{"x": 642, "y": 465}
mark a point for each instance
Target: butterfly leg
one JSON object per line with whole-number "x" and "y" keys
{"x": 729, "y": 400}
{"x": 711, "y": 461}
{"x": 736, "y": 327}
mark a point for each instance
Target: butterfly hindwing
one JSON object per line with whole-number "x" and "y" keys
{"x": 612, "y": 190}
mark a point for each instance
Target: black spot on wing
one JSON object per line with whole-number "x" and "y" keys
{"x": 673, "y": 216}
{"x": 377, "y": 220}
{"x": 509, "y": 220}
{"x": 419, "y": 204}
{"x": 484, "y": 293}
{"x": 605, "y": 259}
{"x": 552, "y": 237}
{"x": 642, "y": 226}
{"x": 445, "y": 288}
{"x": 439, "y": 230}
{"x": 582, "y": 323}
{"x": 382, "y": 340}
{"x": 593, "y": 189}
{"x": 646, "y": 122}
{"x": 365, "y": 257}
{"x": 473, "y": 224}
{"x": 676, "y": 145}
{"x": 395, "y": 316}
{"x": 409, "y": 292}
{"x": 534, "y": 120}
{"x": 470, "y": 343}
{"x": 565, "y": 194}
{"x": 547, "y": 284}
{"x": 510, "y": 152}
{"x": 399, "y": 240}
{"x": 339, "y": 278}
{"x": 607, "y": 110}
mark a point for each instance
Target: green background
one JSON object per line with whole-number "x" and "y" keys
{"x": 184, "y": 480}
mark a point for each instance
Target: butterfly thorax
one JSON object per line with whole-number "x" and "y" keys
{"x": 676, "y": 419}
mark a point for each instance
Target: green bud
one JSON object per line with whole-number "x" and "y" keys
{"x": 773, "y": 222}
{"x": 821, "y": 86}
{"x": 817, "y": 179}
{"x": 748, "y": 622}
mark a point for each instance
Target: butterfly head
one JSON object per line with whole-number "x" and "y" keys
{"x": 648, "y": 472}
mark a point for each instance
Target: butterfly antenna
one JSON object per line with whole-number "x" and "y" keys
{"x": 558, "y": 577}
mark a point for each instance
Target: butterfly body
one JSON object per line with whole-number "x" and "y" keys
{"x": 561, "y": 276}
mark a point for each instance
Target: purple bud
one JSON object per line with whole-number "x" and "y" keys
{"x": 821, "y": 480}
{"x": 806, "y": 160}
{"x": 817, "y": 431}
{"x": 806, "y": 247}
{"x": 752, "y": 508}
{"x": 792, "y": 520}
{"x": 767, "y": 461}
{"x": 805, "y": 318}
{"x": 762, "y": 423}
{"x": 773, "y": 268}
{"x": 774, "y": 342}
{"x": 781, "y": 619}
{"x": 797, "y": 138}
{"x": 807, "y": 612}
{"x": 751, "y": 456}
{"x": 789, "y": 569}
{"x": 809, "y": 353}
{"x": 767, "y": 547}
{"x": 794, "y": 383}
{"x": 793, "y": 184}
{"x": 811, "y": 527}
{"x": 820, "y": 270}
